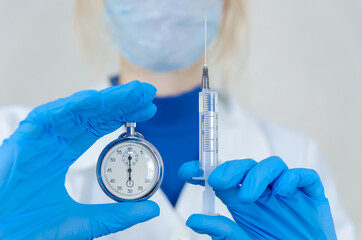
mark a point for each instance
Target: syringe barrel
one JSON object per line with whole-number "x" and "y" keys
{"x": 208, "y": 135}
{"x": 208, "y": 120}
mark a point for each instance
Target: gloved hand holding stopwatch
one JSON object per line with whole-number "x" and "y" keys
{"x": 130, "y": 168}
{"x": 34, "y": 203}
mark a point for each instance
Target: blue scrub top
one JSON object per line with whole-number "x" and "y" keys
{"x": 174, "y": 131}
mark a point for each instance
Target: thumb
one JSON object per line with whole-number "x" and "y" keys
{"x": 217, "y": 227}
{"x": 114, "y": 217}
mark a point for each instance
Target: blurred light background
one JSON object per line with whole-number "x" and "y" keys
{"x": 304, "y": 71}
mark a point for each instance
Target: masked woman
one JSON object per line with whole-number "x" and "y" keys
{"x": 269, "y": 180}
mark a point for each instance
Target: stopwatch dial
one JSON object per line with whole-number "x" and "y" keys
{"x": 130, "y": 157}
{"x": 129, "y": 170}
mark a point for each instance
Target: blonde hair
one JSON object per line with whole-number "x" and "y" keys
{"x": 226, "y": 52}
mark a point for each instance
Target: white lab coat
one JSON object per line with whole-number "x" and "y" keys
{"x": 241, "y": 135}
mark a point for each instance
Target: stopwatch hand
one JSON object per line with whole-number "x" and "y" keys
{"x": 40, "y": 152}
{"x": 129, "y": 168}
{"x": 129, "y": 173}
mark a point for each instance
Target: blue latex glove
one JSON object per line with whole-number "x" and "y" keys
{"x": 267, "y": 201}
{"x": 34, "y": 203}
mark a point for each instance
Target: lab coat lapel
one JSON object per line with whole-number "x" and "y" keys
{"x": 240, "y": 135}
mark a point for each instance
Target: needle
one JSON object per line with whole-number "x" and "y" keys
{"x": 205, "y": 39}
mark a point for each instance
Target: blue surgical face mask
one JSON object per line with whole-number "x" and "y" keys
{"x": 162, "y": 35}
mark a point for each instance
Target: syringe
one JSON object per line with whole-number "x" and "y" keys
{"x": 208, "y": 137}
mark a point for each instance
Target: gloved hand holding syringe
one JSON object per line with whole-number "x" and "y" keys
{"x": 208, "y": 136}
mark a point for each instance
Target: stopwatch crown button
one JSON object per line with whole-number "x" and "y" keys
{"x": 130, "y": 124}
{"x": 130, "y": 128}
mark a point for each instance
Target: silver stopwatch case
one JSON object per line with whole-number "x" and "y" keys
{"x": 130, "y": 168}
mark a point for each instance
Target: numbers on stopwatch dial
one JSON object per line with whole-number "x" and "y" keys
{"x": 129, "y": 170}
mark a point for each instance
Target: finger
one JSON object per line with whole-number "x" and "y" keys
{"x": 259, "y": 177}
{"x": 114, "y": 217}
{"x": 138, "y": 116}
{"x": 89, "y": 134}
{"x": 230, "y": 174}
{"x": 141, "y": 115}
{"x": 307, "y": 180}
{"x": 188, "y": 171}
{"x": 88, "y": 110}
{"x": 118, "y": 100}
{"x": 217, "y": 227}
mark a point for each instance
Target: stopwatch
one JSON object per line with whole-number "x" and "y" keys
{"x": 130, "y": 168}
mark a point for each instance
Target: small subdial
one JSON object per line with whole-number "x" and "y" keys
{"x": 129, "y": 183}
{"x": 130, "y": 158}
